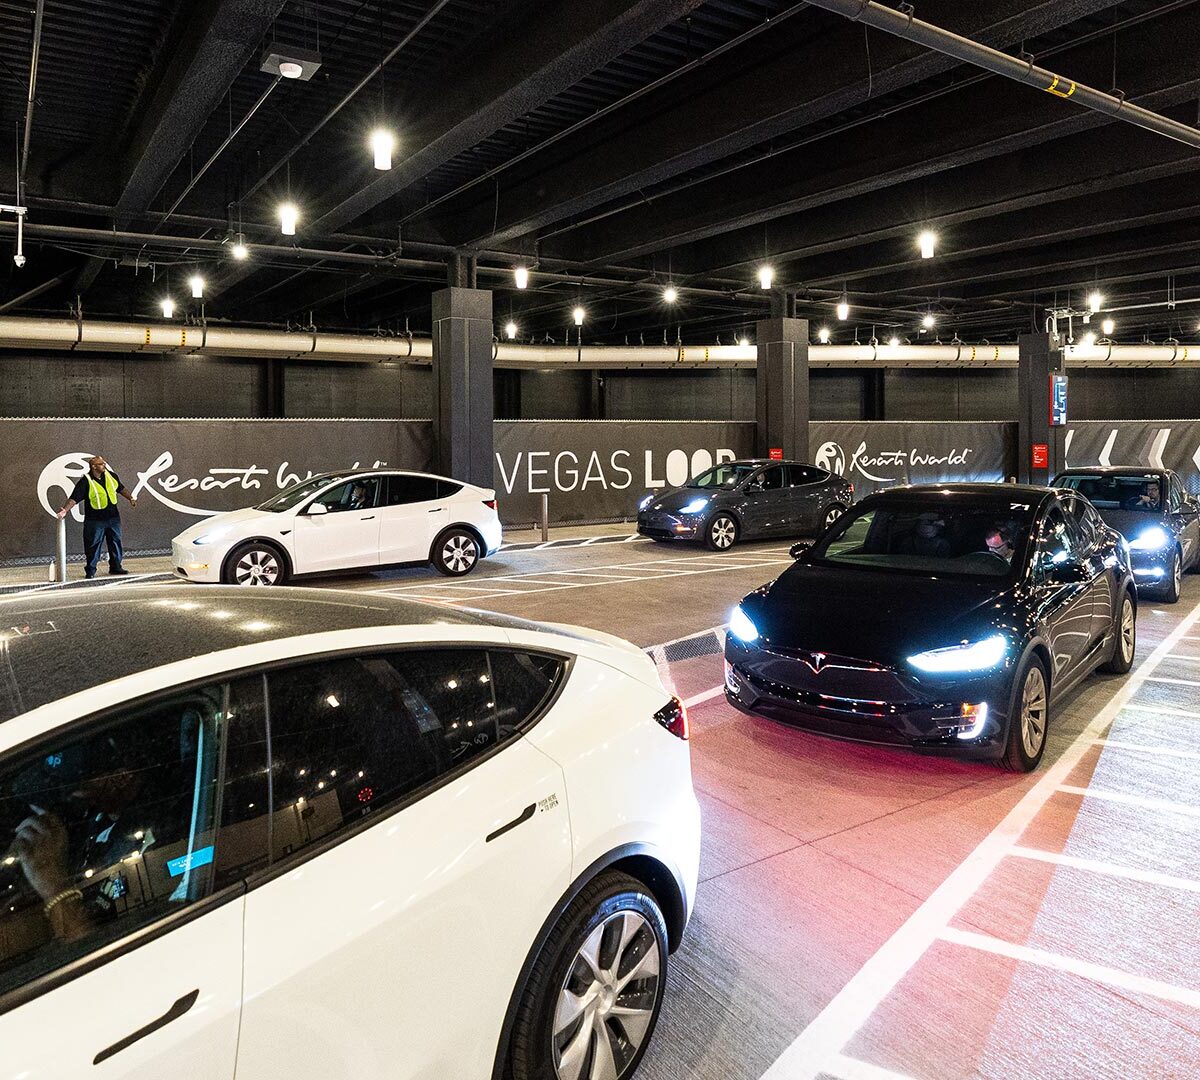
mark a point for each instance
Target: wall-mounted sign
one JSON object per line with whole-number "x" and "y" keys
{"x": 1058, "y": 400}
{"x": 1041, "y": 455}
{"x": 775, "y": 453}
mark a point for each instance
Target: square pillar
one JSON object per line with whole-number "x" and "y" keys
{"x": 462, "y": 385}
{"x": 781, "y": 388}
{"x": 1038, "y": 357}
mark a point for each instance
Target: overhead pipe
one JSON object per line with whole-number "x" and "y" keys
{"x": 905, "y": 26}
{"x": 34, "y": 57}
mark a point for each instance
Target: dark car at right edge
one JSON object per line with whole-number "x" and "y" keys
{"x": 1153, "y": 511}
{"x": 948, "y": 619}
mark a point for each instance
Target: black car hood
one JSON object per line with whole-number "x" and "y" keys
{"x": 1132, "y": 523}
{"x": 875, "y": 615}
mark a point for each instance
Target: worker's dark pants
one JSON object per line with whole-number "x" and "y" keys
{"x": 95, "y": 533}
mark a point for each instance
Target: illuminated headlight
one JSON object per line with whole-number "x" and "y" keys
{"x": 969, "y": 656}
{"x": 741, "y": 627}
{"x": 1154, "y": 538}
{"x": 645, "y": 502}
{"x": 209, "y": 537}
{"x": 694, "y": 507}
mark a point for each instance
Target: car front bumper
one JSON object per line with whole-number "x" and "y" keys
{"x": 1151, "y": 569}
{"x": 662, "y": 526}
{"x": 197, "y": 562}
{"x": 872, "y": 704}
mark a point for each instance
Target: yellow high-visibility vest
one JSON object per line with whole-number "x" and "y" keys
{"x": 100, "y": 497}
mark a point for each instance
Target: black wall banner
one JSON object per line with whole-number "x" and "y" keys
{"x": 1161, "y": 444}
{"x": 875, "y": 454}
{"x": 180, "y": 470}
{"x": 597, "y": 470}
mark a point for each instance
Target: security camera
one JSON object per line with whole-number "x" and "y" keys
{"x": 19, "y": 260}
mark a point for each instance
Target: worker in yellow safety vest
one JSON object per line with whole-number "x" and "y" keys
{"x": 97, "y": 490}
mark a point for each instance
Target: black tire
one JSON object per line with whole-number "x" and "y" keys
{"x": 1017, "y": 757}
{"x": 1171, "y": 586}
{"x": 255, "y": 563}
{"x": 1123, "y": 647}
{"x": 558, "y": 968}
{"x": 456, "y": 552}
{"x": 722, "y": 531}
{"x": 830, "y": 514}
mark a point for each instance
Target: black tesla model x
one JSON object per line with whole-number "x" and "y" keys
{"x": 946, "y": 618}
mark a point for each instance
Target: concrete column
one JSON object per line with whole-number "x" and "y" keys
{"x": 1038, "y": 357}
{"x": 462, "y": 385}
{"x": 781, "y": 387}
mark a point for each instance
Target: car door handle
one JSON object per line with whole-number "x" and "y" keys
{"x": 438, "y": 510}
{"x": 173, "y": 1013}
{"x": 369, "y": 517}
{"x": 520, "y": 819}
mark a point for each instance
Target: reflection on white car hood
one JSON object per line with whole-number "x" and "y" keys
{"x": 231, "y": 520}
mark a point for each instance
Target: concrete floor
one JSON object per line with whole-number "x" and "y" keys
{"x": 868, "y": 914}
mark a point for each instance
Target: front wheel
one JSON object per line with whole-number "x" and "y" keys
{"x": 1174, "y": 582}
{"x": 721, "y": 532}
{"x": 595, "y": 991}
{"x": 831, "y": 514}
{"x": 1029, "y": 717}
{"x": 455, "y": 553}
{"x": 1125, "y": 631}
{"x": 254, "y": 563}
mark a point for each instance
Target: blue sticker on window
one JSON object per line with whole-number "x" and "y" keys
{"x": 200, "y": 857}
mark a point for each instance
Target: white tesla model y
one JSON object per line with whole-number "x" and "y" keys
{"x": 297, "y": 833}
{"x": 344, "y": 521}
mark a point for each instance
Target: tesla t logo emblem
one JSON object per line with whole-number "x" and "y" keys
{"x": 816, "y": 662}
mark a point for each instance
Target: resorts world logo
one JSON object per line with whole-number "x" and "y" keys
{"x": 831, "y": 457}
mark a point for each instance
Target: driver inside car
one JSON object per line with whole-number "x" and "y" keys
{"x": 1149, "y": 499}
{"x": 999, "y": 541}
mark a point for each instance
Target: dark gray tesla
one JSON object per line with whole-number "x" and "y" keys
{"x": 745, "y": 500}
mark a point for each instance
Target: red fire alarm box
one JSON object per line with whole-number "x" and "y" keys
{"x": 1041, "y": 455}
{"x": 775, "y": 453}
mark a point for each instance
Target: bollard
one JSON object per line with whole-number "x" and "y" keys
{"x": 545, "y": 517}
{"x": 60, "y": 551}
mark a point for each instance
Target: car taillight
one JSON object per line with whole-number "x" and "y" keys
{"x": 852, "y": 490}
{"x": 490, "y": 503}
{"x": 673, "y": 716}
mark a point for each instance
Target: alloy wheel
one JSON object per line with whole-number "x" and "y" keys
{"x": 832, "y": 514}
{"x": 257, "y": 567}
{"x": 459, "y": 554}
{"x": 606, "y": 1004}
{"x": 1033, "y": 711}
{"x": 1177, "y": 573}
{"x": 723, "y": 533}
{"x": 1128, "y": 630}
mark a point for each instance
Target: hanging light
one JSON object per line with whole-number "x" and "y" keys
{"x": 168, "y": 307}
{"x": 744, "y": 342}
{"x": 239, "y": 251}
{"x": 196, "y": 282}
{"x": 893, "y": 341}
{"x": 670, "y": 294}
{"x": 1107, "y": 327}
{"x": 288, "y": 216}
{"x": 382, "y": 144}
{"x": 928, "y": 321}
{"x": 823, "y": 335}
{"x": 1088, "y": 340}
{"x": 843, "y": 309}
{"x": 510, "y": 330}
{"x": 927, "y": 242}
{"x": 289, "y": 69}
{"x": 1095, "y": 301}
{"x": 765, "y": 276}
{"x": 521, "y": 277}
{"x": 578, "y": 314}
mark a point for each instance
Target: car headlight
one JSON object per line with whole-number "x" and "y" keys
{"x": 645, "y": 502}
{"x": 694, "y": 507}
{"x": 742, "y": 627}
{"x": 969, "y": 656}
{"x": 209, "y": 537}
{"x": 1154, "y": 538}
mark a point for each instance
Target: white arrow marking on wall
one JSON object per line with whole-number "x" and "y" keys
{"x": 1196, "y": 457}
{"x": 1106, "y": 453}
{"x": 1160, "y": 444}
{"x": 1067, "y": 448}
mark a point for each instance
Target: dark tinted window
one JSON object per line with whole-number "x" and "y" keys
{"x": 1058, "y": 542}
{"x": 1082, "y": 517}
{"x": 1108, "y": 491}
{"x": 106, "y": 832}
{"x": 414, "y": 489}
{"x": 727, "y": 475}
{"x": 771, "y": 479}
{"x": 352, "y": 735}
{"x": 1176, "y": 495}
{"x": 805, "y": 474}
{"x": 358, "y": 494}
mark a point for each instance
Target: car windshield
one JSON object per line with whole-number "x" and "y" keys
{"x": 968, "y": 541}
{"x": 296, "y": 494}
{"x": 1117, "y": 492}
{"x": 727, "y": 475}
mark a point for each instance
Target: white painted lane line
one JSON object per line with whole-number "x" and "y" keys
{"x": 1123, "y": 980}
{"x": 848, "y": 1068}
{"x": 1182, "y": 656}
{"x": 1164, "y": 711}
{"x": 1131, "y": 873}
{"x": 707, "y": 695}
{"x": 827, "y": 1035}
{"x": 1141, "y": 748}
{"x": 1165, "y": 805}
{"x": 1174, "y": 682}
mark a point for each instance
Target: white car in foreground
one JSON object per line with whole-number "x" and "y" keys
{"x": 365, "y": 519}
{"x": 332, "y": 836}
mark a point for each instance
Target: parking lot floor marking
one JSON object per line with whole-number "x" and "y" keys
{"x": 1095, "y": 866}
{"x": 1173, "y": 682}
{"x": 1162, "y": 710}
{"x": 1141, "y": 748}
{"x": 821, "y": 1042}
{"x": 1165, "y": 805}
{"x": 848, "y": 1068}
{"x": 706, "y": 695}
{"x": 1100, "y": 973}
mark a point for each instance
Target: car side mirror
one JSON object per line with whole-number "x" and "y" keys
{"x": 800, "y": 551}
{"x": 315, "y": 509}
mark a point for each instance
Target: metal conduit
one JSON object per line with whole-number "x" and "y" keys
{"x": 34, "y": 56}
{"x": 1023, "y": 71}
